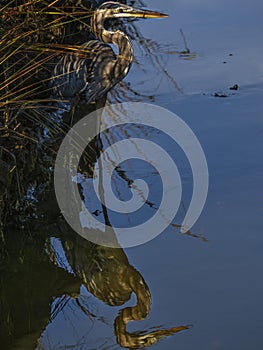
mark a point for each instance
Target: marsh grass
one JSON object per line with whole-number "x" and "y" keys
{"x": 33, "y": 35}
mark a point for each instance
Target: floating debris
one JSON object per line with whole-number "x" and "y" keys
{"x": 234, "y": 87}
{"x": 220, "y": 94}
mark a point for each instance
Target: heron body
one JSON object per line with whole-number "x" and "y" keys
{"x": 88, "y": 76}
{"x": 95, "y": 69}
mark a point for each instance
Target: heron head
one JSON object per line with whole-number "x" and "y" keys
{"x": 117, "y": 10}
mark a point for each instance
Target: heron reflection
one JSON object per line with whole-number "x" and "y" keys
{"x": 108, "y": 275}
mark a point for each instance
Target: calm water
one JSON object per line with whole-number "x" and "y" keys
{"x": 215, "y": 285}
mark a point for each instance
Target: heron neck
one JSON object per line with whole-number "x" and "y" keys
{"x": 125, "y": 56}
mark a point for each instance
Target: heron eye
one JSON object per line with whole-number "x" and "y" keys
{"x": 120, "y": 10}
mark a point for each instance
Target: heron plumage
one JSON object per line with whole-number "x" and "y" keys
{"x": 94, "y": 70}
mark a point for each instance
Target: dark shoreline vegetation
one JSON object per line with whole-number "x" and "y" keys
{"x": 34, "y": 34}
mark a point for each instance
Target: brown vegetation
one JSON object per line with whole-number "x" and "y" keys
{"x": 33, "y": 34}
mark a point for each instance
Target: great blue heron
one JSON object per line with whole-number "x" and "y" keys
{"x": 94, "y": 70}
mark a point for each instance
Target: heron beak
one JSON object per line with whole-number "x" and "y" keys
{"x": 138, "y": 13}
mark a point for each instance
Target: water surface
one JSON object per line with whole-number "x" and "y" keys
{"x": 213, "y": 284}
